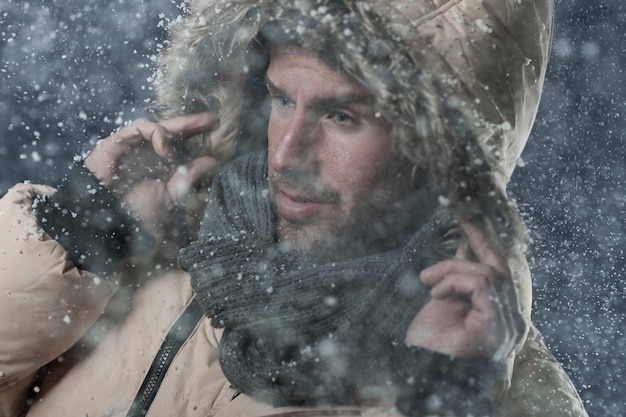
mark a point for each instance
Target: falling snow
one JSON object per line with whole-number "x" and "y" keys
{"x": 73, "y": 71}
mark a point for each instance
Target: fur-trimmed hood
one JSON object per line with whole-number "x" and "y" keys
{"x": 490, "y": 55}
{"x": 459, "y": 81}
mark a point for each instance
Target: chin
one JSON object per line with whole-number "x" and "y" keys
{"x": 328, "y": 243}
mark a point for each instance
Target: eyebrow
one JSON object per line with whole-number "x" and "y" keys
{"x": 273, "y": 88}
{"x": 339, "y": 101}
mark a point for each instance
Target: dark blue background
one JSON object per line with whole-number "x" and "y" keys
{"x": 72, "y": 71}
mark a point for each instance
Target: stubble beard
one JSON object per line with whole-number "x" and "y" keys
{"x": 373, "y": 226}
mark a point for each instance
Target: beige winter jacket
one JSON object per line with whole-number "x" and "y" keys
{"x": 98, "y": 351}
{"x": 47, "y": 306}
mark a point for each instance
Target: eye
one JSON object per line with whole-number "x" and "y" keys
{"x": 343, "y": 118}
{"x": 280, "y": 101}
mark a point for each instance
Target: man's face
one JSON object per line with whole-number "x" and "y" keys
{"x": 333, "y": 178}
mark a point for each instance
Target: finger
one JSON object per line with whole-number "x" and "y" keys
{"x": 104, "y": 159}
{"x": 138, "y": 132}
{"x": 187, "y": 175}
{"x": 476, "y": 289}
{"x": 435, "y": 273}
{"x": 482, "y": 247}
{"x": 183, "y": 126}
{"x": 461, "y": 252}
{"x": 133, "y": 134}
{"x": 158, "y": 136}
{"x": 467, "y": 273}
{"x": 161, "y": 134}
{"x": 485, "y": 309}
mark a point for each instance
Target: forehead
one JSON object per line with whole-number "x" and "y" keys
{"x": 291, "y": 65}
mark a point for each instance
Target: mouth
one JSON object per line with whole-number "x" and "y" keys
{"x": 298, "y": 207}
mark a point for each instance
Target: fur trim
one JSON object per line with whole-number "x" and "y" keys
{"x": 451, "y": 115}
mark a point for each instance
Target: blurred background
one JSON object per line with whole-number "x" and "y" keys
{"x": 73, "y": 71}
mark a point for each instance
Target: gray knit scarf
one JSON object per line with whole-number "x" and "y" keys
{"x": 298, "y": 329}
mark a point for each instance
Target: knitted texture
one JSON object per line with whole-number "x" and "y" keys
{"x": 300, "y": 329}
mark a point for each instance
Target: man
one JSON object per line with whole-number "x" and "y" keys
{"x": 315, "y": 256}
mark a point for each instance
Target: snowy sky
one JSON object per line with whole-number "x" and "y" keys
{"x": 72, "y": 71}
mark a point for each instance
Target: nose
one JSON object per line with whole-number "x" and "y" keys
{"x": 293, "y": 142}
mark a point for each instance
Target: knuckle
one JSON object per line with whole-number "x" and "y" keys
{"x": 486, "y": 281}
{"x": 448, "y": 265}
{"x": 141, "y": 121}
{"x": 494, "y": 274}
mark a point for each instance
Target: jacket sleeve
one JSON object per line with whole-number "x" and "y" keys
{"x": 539, "y": 385}
{"x": 535, "y": 383}
{"x": 52, "y": 241}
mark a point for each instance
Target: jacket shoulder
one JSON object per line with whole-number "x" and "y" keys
{"x": 51, "y": 302}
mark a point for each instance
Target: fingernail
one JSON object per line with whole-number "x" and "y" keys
{"x": 426, "y": 272}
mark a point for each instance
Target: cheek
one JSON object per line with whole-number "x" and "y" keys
{"x": 272, "y": 128}
{"x": 360, "y": 170}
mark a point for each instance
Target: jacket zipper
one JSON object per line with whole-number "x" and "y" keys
{"x": 176, "y": 337}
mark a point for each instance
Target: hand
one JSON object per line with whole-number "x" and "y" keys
{"x": 473, "y": 310}
{"x": 137, "y": 163}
